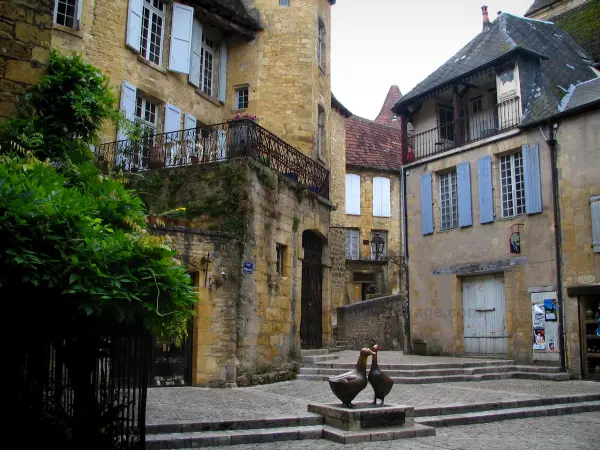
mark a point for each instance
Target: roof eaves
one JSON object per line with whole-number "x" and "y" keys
{"x": 335, "y": 103}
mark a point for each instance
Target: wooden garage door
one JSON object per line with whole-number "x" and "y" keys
{"x": 484, "y": 315}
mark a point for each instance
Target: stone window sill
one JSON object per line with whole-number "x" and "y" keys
{"x": 208, "y": 97}
{"x": 151, "y": 64}
{"x": 67, "y": 30}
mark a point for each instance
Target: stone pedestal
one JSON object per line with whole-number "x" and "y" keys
{"x": 369, "y": 423}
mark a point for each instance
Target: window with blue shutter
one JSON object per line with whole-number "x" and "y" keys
{"x": 172, "y": 127}
{"x": 127, "y": 105}
{"x": 381, "y": 197}
{"x": 463, "y": 175}
{"x": 134, "y": 24}
{"x": 426, "y": 204}
{"x": 353, "y": 194}
{"x": 181, "y": 38}
{"x": 222, "y": 94}
{"x": 486, "y": 189}
{"x": 533, "y": 182}
{"x": 196, "y": 53}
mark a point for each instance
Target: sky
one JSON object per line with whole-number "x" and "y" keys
{"x": 378, "y": 43}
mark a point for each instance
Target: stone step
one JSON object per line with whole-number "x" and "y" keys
{"x": 314, "y": 352}
{"x": 318, "y": 358}
{"x": 456, "y": 378}
{"x": 438, "y": 372}
{"x": 463, "y": 408}
{"x": 324, "y": 364}
{"x": 508, "y": 414}
{"x": 379, "y": 434}
{"x": 189, "y": 426}
{"x": 231, "y": 437}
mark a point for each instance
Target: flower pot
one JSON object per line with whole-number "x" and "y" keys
{"x": 180, "y": 222}
{"x": 195, "y": 160}
{"x": 156, "y": 158}
{"x": 152, "y": 219}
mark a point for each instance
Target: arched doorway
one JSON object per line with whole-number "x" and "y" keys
{"x": 311, "y": 323}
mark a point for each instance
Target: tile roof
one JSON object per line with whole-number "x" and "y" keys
{"x": 562, "y": 62}
{"x": 582, "y": 23}
{"x": 386, "y": 115}
{"x": 372, "y": 145}
{"x": 539, "y": 4}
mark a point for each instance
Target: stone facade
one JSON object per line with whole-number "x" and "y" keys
{"x": 578, "y": 158}
{"x": 25, "y": 35}
{"x": 440, "y": 262}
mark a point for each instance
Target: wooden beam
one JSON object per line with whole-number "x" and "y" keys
{"x": 458, "y": 138}
{"x": 224, "y": 23}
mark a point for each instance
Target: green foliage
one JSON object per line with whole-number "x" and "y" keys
{"x": 267, "y": 177}
{"x": 177, "y": 213}
{"x": 295, "y": 224}
{"x": 61, "y": 115}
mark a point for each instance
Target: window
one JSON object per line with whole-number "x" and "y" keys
{"x": 207, "y": 60}
{"x": 381, "y": 197}
{"x": 448, "y": 200}
{"x": 241, "y": 98}
{"x": 353, "y": 194}
{"x": 281, "y": 253}
{"x": 67, "y": 13}
{"x": 513, "y": 184}
{"x": 321, "y": 53}
{"x": 446, "y": 117}
{"x": 284, "y": 2}
{"x": 321, "y": 132}
{"x": 382, "y": 235}
{"x": 145, "y": 112}
{"x": 476, "y": 105}
{"x": 151, "y": 40}
{"x": 352, "y": 244}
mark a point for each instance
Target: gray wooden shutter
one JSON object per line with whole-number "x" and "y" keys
{"x": 223, "y": 71}
{"x": 134, "y": 24}
{"x": 127, "y": 105}
{"x": 595, "y": 206}
{"x": 533, "y": 182}
{"x": 486, "y": 194}
{"x": 426, "y": 204}
{"x": 181, "y": 38}
{"x": 196, "y": 53}
{"x": 463, "y": 179}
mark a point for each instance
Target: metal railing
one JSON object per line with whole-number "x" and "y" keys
{"x": 471, "y": 128}
{"x": 214, "y": 143}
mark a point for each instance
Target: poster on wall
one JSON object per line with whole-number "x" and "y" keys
{"x": 539, "y": 313}
{"x": 550, "y": 310}
{"x": 539, "y": 338}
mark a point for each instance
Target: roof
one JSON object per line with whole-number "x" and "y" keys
{"x": 539, "y": 4}
{"x": 386, "y": 115}
{"x": 239, "y": 12}
{"x": 561, "y": 62}
{"x": 581, "y": 94}
{"x": 372, "y": 145}
{"x": 336, "y": 104}
{"x": 582, "y": 24}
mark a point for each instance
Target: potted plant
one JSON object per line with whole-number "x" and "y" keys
{"x": 241, "y": 129}
{"x": 176, "y": 217}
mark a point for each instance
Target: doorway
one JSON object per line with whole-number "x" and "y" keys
{"x": 311, "y": 323}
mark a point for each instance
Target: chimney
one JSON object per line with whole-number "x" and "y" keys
{"x": 486, "y": 19}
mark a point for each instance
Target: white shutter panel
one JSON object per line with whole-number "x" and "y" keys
{"x": 595, "y": 206}
{"x": 79, "y": 10}
{"x": 352, "y": 194}
{"x": 127, "y": 105}
{"x": 223, "y": 71}
{"x": 189, "y": 122}
{"x": 181, "y": 38}
{"x": 355, "y": 244}
{"x": 196, "y": 52}
{"x": 381, "y": 197}
{"x": 348, "y": 244}
{"x": 172, "y": 125}
{"x": 134, "y": 24}
{"x": 376, "y": 197}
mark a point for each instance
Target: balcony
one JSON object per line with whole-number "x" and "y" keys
{"x": 470, "y": 128}
{"x": 214, "y": 144}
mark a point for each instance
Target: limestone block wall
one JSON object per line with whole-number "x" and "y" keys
{"x": 577, "y": 163}
{"x": 436, "y": 299}
{"x": 25, "y": 35}
{"x": 377, "y": 321}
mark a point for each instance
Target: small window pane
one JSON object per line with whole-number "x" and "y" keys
{"x": 513, "y": 185}
{"x": 284, "y": 2}
{"x": 242, "y": 98}
{"x": 281, "y": 254}
{"x": 65, "y": 13}
{"x": 448, "y": 200}
{"x": 151, "y": 39}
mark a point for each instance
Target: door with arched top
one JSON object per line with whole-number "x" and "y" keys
{"x": 311, "y": 323}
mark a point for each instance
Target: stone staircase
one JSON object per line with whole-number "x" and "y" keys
{"x": 318, "y": 365}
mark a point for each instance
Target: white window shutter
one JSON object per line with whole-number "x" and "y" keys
{"x": 376, "y": 196}
{"x": 348, "y": 244}
{"x": 381, "y": 197}
{"x": 352, "y": 194}
{"x": 196, "y": 49}
{"x": 172, "y": 124}
{"x": 134, "y": 24}
{"x": 127, "y": 105}
{"x": 223, "y": 71}
{"x": 352, "y": 244}
{"x": 181, "y": 38}
{"x": 79, "y": 12}
{"x": 595, "y": 206}
{"x": 189, "y": 121}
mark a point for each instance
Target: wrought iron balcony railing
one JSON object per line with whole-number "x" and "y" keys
{"x": 473, "y": 127}
{"x": 215, "y": 143}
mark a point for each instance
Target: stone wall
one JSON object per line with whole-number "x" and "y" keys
{"x": 25, "y": 35}
{"x": 377, "y": 321}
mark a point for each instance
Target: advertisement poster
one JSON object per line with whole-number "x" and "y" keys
{"x": 550, "y": 310}
{"x": 539, "y": 314}
{"x": 539, "y": 338}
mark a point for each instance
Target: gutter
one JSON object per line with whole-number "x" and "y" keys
{"x": 404, "y": 231}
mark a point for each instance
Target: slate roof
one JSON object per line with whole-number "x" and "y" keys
{"x": 563, "y": 62}
{"x": 582, "y": 23}
{"x": 372, "y": 145}
{"x": 539, "y": 4}
{"x": 240, "y": 13}
{"x": 581, "y": 94}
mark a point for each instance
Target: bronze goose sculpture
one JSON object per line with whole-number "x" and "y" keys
{"x": 380, "y": 382}
{"x": 347, "y": 386}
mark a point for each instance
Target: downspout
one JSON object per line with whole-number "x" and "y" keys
{"x": 551, "y": 141}
{"x": 404, "y": 225}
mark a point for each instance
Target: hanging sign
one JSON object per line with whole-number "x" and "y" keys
{"x": 515, "y": 238}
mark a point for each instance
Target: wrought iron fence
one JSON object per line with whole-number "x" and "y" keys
{"x": 86, "y": 392}
{"x": 473, "y": 127}
{"x": 215, "y": 143}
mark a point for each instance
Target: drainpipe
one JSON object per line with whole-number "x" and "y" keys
{"x": 406, "y": 279}
{"x": 551, "y": 141}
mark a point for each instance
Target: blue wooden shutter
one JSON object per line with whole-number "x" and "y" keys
{"x": 486, "y": 194}
{"x": 128, "y": 99}
{"x": 463, "y": 179}
{"x": 134, "y": 24}
{"x": 426, "y": 204}
{"x": 533, "y": 182}
{"x": 222, "y": 95}
{"x": 195, "y": 53}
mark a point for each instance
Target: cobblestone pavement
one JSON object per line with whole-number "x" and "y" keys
{"x": 573, "y": 432}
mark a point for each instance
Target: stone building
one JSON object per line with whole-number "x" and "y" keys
{"x": 257, "y": 237}
{"x": 479, "y": 195}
